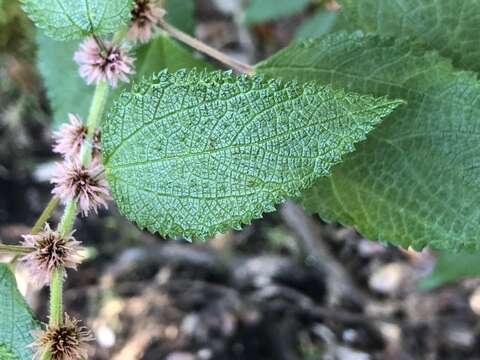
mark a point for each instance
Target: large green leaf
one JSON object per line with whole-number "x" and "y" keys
{"x": 180, "y": 13}
{"x": 452, "y": 267}
{"x": 448, "y": 26}
{"x": 68, "y": 93}
{"x": 74, "y": 19}
{"x": 263, "y": 10}
{"x": 16, "y": 319}
{"x": 416, "y": 180}
{"x": 5, "y": 354}
{"x": 195, "y": 153}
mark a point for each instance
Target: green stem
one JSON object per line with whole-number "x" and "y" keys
{"x": 56, "y": 301}
{"x": 15, "y": 249}
{"x": 65, "y": 227}
{"x": 45, "y": 215}
{"x": 68, "y": 218}
{"x": 96, "y": 112}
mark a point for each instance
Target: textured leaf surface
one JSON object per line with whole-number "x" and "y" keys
{"x": 17, "y": 322}
{"x": 452, "y": 267}
{"x": 264, "y": 10}
{"x": 451, "y": 27}
{"x": 180, "y": 13}
{"x": 416, "y": 180}
{"x": 196, "y": 153}
{"x": 316, "y": 25}
{"x": 74, "y": 19}
{"x": 68, "y": 92}
{"x": 5, "y": 354}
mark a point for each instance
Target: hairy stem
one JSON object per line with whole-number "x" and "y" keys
{"x": 56, "y": 301}
{"x": 68, "y": 218}
{"x": 204, "y": 48}
{"x": 15, "y": 249}
{"x": 45, "y": 215}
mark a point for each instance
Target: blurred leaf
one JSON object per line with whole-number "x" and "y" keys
{"x": 68, "y": 92}
{"x": 181, "y": 14}
{"x": 450, "y": 27}
{"x": 264, "y": 10}
{"x": 74, "y": 19}
{"x": 451, "y": 268}
{"x": 319, "y": 24}
{"x": 196, "y": 153}
{"x": 416, "y": 180}
{"x": 17, "y": 322}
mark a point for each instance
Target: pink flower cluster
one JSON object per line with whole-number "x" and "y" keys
{"x": 104, "y": 62}
{"x": 145, "y": 17}
{"x": 72, "y": 179}
{"x": 50, "y": 250}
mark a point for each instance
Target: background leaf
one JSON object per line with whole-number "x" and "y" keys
{"x": 17, "y": 322}
{"x": 451, "y": 27}
{"x": 316, "y": 25}
{"x": 196, "y": 153}
{"x": 416, "y": 180}
{"x": 180, "y": 13}
{"x": 451, "y": 268}
{"x": 264, "y": 10}
{"x": 68, "y": 92}
{"x": 74, "y": 19}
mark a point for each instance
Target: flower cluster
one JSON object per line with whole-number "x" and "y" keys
{"x": 145, "y": 17}
{"x": 70, "y": 137}
{"x": 50, "y": 250}
{"x": 101, "y": 61}
{"x": 72, "y": 180}
{"x": 67, "y": 341}
{"x": 86, "y": 183}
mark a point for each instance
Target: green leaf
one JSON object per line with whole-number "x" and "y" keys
{"x": 180, "y": 13}
{"x": 195, "y": 153}
{"x": 416, "y": 180}
{"x": 75, "y": 19}
{"x": 319, "y": 24}
{"x": 17, "y": 322}
{"x": 450, "y": 27}
{"x": 264, "y": 10}
{"x": 451, "y": 268}
{"x": 68, "y": 92}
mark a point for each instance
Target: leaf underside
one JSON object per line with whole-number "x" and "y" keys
{"x": 415, "y": 181}
{"x": 450, "y": 27}
{"x": 17, "y": 322}
{"x": 75, "y": 19}
{"x": 193, "y": 153}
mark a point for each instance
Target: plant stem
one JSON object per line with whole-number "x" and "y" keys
{"x": 96, "y": 112}
{"x": 45, "y": 215}
{"x": 204, "y": 48}
{"x": 15, "y": 249}
{"x": 68, "y": 218}
{"x": 56, "y": 301}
